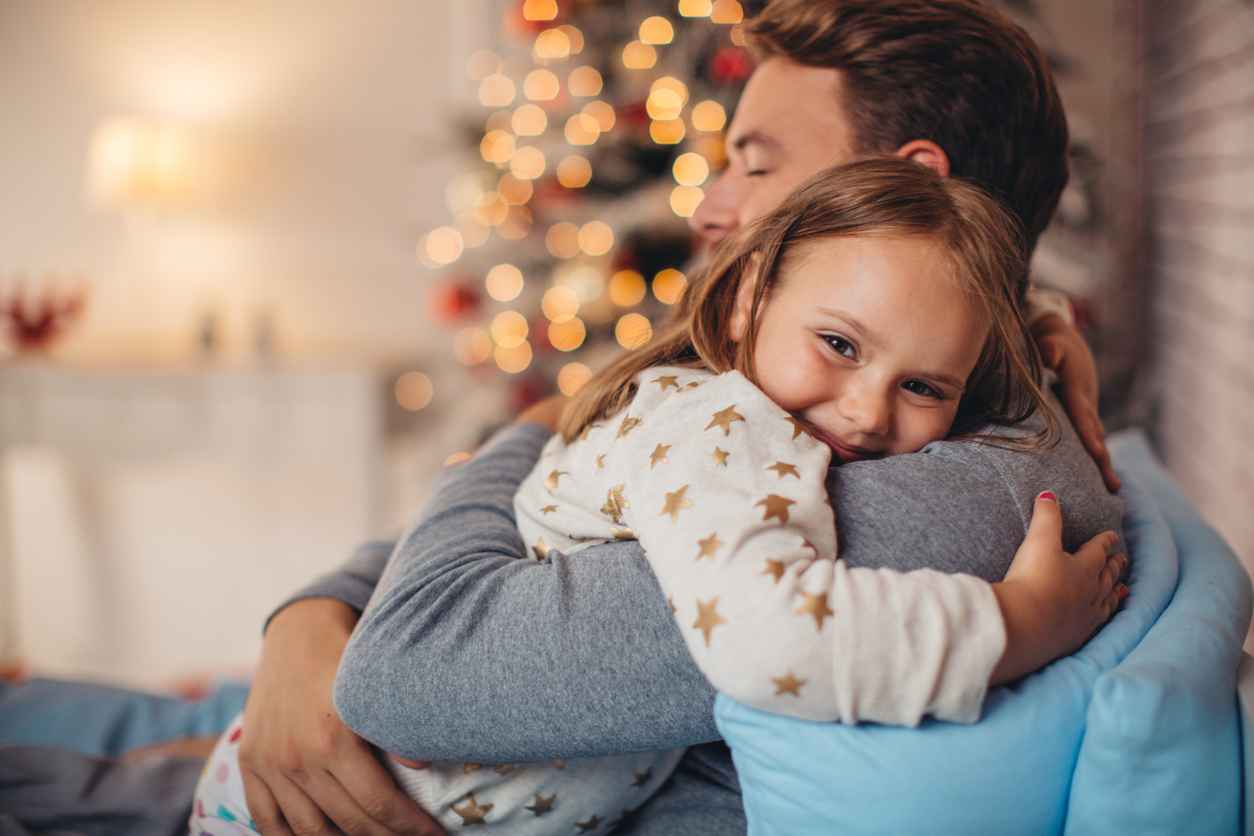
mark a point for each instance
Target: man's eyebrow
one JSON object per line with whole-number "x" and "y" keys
{"x": 939, "y": 377}
{"x": 754, "y": 138}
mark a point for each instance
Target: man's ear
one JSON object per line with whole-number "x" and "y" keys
{"x": 744, "y": 299}
{"x": 926, "y": 152}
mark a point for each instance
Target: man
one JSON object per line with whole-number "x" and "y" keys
{"x": 951, "y": 85}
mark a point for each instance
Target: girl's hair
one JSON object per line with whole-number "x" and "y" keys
{"x": 888, "y": 196}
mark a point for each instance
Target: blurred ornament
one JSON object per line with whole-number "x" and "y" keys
{"x": 527, "y": 391}
{"x": 453, "y": 300}
{"x": 34, "y": 324}
{"x": 731, "y": 64}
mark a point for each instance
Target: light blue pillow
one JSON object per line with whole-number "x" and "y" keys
{"x": 1162, "y": 753}
{"x": 1010, "y": 773}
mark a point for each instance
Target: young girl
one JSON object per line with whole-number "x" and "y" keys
{"x": 877, "y": 310}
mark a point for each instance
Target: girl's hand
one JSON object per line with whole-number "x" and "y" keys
{"x": 305, "y": 771}
{"x": 1051, "y": 601}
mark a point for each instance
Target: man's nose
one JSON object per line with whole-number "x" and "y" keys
{"x": 716, "y": 217}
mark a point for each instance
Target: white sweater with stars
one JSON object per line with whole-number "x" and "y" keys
{"x": 726, "y": 493}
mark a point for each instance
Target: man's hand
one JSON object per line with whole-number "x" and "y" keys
{"x": 546, "y": 412}
{"x": 1065, "y": 351}
{"x": 304, "y": 771}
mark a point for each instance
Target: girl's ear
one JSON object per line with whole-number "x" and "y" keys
{"x": 744, "y": 298}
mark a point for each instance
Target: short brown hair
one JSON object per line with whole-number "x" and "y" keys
{"x": 953, "y": 71}
{"x": 870, "y": 197}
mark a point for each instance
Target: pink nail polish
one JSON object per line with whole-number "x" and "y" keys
{"x": 1048, "y": 496}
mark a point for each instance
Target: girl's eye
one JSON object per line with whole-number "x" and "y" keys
{"x": 918, "y": 387}
{"x": 840, "y": 345}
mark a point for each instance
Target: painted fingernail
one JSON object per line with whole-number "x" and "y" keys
{"x": 1048, "y": 496}
{"x": 1121, "y": 591}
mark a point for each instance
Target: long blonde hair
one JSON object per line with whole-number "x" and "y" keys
{"x": 879, "y": 196}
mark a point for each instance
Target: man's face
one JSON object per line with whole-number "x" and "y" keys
{"x": 790, "y": 124}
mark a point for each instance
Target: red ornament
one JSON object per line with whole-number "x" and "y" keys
{"x": 454, "y": 300}
{"x": 731, "y": 64}
{"x": 526, "y": 392}
{"x": 35, "y": 324}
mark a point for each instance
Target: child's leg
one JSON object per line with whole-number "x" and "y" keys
{"x": 702, "y": 798}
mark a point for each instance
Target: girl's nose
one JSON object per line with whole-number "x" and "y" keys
{"x": 716, "y": 217}
{"x": 869, "y": 413}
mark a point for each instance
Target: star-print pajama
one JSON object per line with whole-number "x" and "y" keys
{"x": 727, "y": 494}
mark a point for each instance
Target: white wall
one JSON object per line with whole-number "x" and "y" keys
{"x": 343, "y": 110}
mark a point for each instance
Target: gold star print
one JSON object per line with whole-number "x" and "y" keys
{"x": 542, "y": 805}
{"x": 708, "y": 618}
{"x": 815, "y": 605}
{"x": 787, "y": 684}
{"x": 708, "y": 546}
{"x": 692, "y": 385}
{"x": 623, "y": 533}
{"x": 640, "y": 777}
{"x": 785, "y": 469}
{"x": 601, "y": 462}
{"x": 667, "y": 380}
{"x": 774, "y": 506}
{"x": 659, "y": 455}
{"x": 724, "y": 418}
{"x": 551, "y": 480}
{"x": 588, "y": 825}
{"x": 468, "y": 768}
{"x": 504, "y": 768}
{"x": 798, "y": 428}
{"x": 472, "y": 812}
{"x": 548, "y": 509}
{"x": 583, "y": 434}
{"x": 540, "y": 550}
{"x": 720, "y": 456}
{"x": 774, "y": 568}
{"x": 676, "y": 502}
{"x": 627, "y": 426}
{"x": 615, "y": 504}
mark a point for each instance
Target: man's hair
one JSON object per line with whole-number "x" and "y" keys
{"x": 953, "y": 71}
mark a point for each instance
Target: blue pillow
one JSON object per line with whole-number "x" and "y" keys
{"x": 1162, "y": 752}
{"x": 1010, "y": 773}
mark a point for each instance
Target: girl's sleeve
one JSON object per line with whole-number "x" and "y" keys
{"x": 726, "y": 493}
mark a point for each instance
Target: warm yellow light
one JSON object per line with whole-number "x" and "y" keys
{"x": 574, "y": 172}
{"x": 664, "y": 105}
{"x": 457, "y": 458}
{"x": 603, "y": 112}
{"x": 529, "y": 120}
{"x": 582, "y": 129}
{"x": 727, "y": 11}
{"x": 656, "y": 30}
{"x": 491, "y": 210}
{"x": 572, "y": 377}
{"x": 669, "y": 82}
{"x": 552, "y": 45}
{"x": 690, "y": 169}
{"x": 413, "y": 391}
{"x": 668, "y": 286}
{"x": 584, "y": 82}
{"x": 559, "y": 304}
{"x": 738, "y": 36}
{"x": 585, "y": 279}
{"x": 444, "y": 245}
{"x": 474, "y": 233}
{"x": 504, "y": 282}
{"x": 638, "y": 56}
{"x": 633, "y": 330}
{"x": 575, "y": 36}
{"x": 541, "y": 86}
{"x": 509, "y": 329}
{"x": 709, "y": 116}
{"x": 596, "y": 238}
{"x": 472, "y": 346}
{"x": 517, "y": 224}
{"x": 463, "y": 193}
{"x": 567, "y": 335}
{"x": 513, "y": 360}
{"x": 527, "y": 163}
{"x": 627, "y": 288}
{"x": 685, "y": 200}
{"x": 562, "y": 240}
{"x": 695, "y": 8}
{"x": 540, "y": 9}
{"x": 497, "y": 147}
{"x": 513, "y": 191}
{"x": 482, "y": 64}
{"x": 499, "y": 121}
{"x": 496, "y": 90}
{"x": 669, "y": 132}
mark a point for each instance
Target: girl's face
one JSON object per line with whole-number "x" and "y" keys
{"x": 869, "y": 340}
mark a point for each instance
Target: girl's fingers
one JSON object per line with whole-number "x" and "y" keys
{"x": 337, "y": 805}
{"x": 366, "y": 780}
{"x": 262, "y": 806}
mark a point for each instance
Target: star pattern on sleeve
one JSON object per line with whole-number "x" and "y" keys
{"x": 659, "y": 455}
{"x": 472, "y": 812}
{"x": 540, "y": 550}
{"x": 629, "y": 423}
{"x": 548, "y": 509}
{"x": 708, "y": 618}
{"x": 708, "y": 546}
{"x": 724, "y": 418}
{"x": 774, "y": 568}
{"x": 788, "y": 684}
{"x": 815, "y": 605}
{"x": 720, "y": 456}
{"x": 553, "y": 478}
{"x": 783, "y": 469}
{"x": 588, "y": 825}
{"x": 667, "y": 380}
{"x": 774, "y": 506}
{"x": 798, "y": 428}
{"x": 615, "y": 504}
{"x": 601, "y": 461}
{"x": 542, "y": 805}
{"x": 676, "y": 501}
{"x": 504, "y": 768}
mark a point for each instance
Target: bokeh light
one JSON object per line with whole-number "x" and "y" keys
{"x": 552, "y": 45}
{"x": 517, "y": 224}
{"x": 497, "y": 147}
{"x": 670, "y": 132}
{"x": 727, "y": 11}
{"x": 695, "y": 8}
{"x": 584, "y": 82}
{"x": 664, "y": 105}
{"x": 444, "y": 245}
{"x": 541, "y": 86}
{"x": 559, "y": 304}
{"x": 596, "y": 238}
{"x": 575, "y": 37}
{"x": 474, "y": 233}
{"x": 513, "y": 360}
{"x": 627, "y": 288}
{"x": 669, "y": 285}
{"x": 572, "y": 377}
{"x": 738, "y": 35}
{"x": 685, "y": 200}
{"x": 472, "y": 346}
{"x": 690, "y": 169}
{"x": 527, "y": 163}
{"x": 529, "y": 120}
{"x": 492, "y": 209}
{"x": 633, "y": 330}
{"x": 413, "y": 391}
{"x": 656, "y": 30}
{"x": 582, "y": 129}
{"x": 539, "y": 9}
{"x": 574, "y": 172}
{"x": 639, "y": 56}
{"x": 709, "y": 116}
{"x": 463, "y": 192}
{"x": 562, "y": 240}
{"x": 482, "y": 64}
{"x": 497, "y": 90}
{"x": 603, "y": 112}
{"x": 504, "y": 282}
{"x": 509, "y": 329}
{"x": 567, "y": 335}
{"x": 513, "y": 191}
